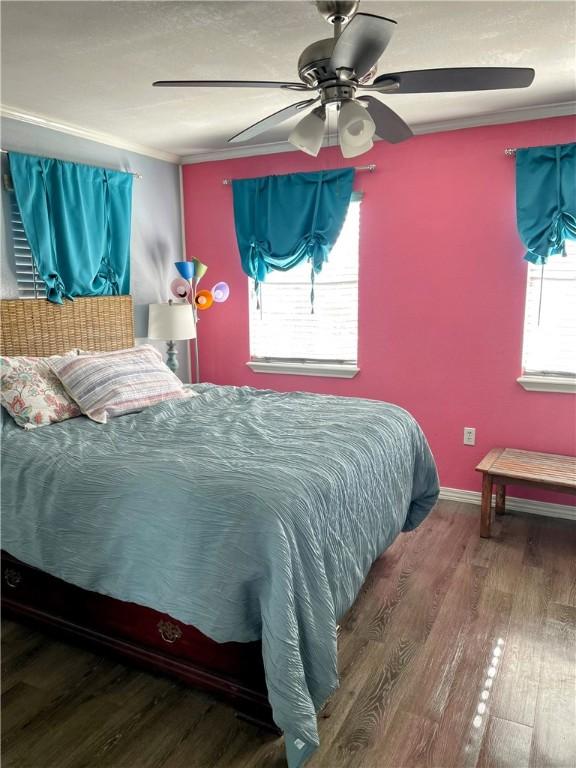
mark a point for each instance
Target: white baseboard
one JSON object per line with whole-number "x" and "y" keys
{"x": 513, "y": 503}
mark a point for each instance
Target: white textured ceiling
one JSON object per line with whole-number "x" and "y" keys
{"x": 91, "y": 64}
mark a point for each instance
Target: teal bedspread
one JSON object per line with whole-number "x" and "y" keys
{"x": 247, "y": 513}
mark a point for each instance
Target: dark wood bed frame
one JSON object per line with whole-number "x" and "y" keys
{"x": 232, "y": 671}
{"x": 149, "y": 638}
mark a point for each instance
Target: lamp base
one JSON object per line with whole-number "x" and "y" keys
{"x": 172, "y": 356}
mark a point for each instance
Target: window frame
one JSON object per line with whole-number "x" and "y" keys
{"x": 305, "y": 368}
{"x": 313, "y": 367}
{"x": 543, "y": 381}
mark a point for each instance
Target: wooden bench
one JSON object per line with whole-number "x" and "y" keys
{"x": 508, "y": 465}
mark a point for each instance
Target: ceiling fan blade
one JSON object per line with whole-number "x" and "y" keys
{"x": 362, "y": 42}
{"x": 389, "y": 125}
{"x": 229, "y": 84}
{"x": 272, "y": 120}
{"x": 457, "y": 79}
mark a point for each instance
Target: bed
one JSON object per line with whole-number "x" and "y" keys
{"x": 219, "y": 538}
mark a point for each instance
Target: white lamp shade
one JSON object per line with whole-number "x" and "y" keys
{"x": 353, "y": 151}
{"x": 309, "y": 132}
{"x": 355, "y": 128}
{"x": 171, "y": 322}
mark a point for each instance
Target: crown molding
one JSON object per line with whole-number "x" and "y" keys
{"x": 522, "y": 114}
{"x": 233, "y": 152}
{"x": 86, "y": 133}
{"x": 519, "y": 115}
{"x": 513, "y": 504}
{"x": 503, "y": 116}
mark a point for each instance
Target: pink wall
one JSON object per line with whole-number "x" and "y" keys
{"x": 442, "y": 287}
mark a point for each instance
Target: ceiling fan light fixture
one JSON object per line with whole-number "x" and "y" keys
{"x": 309, "y": 132}
{"x": 355, "y": 128}
{"x": 334, "y": 69}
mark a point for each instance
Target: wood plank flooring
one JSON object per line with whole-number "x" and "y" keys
{"x": 460, "y": 652}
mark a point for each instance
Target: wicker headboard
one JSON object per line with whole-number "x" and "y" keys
{"x": 38, "y": 328}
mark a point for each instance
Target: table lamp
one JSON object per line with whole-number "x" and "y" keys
{"x": 171, "y": 322}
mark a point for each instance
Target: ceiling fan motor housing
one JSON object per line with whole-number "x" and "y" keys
{"x": 314, "y": 62}
{"x": 315, "y": 69}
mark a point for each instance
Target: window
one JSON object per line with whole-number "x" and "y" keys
{"x": 30, "y": 284}
{"x": 549, "y": 350}
{"x": 286, "y": 337}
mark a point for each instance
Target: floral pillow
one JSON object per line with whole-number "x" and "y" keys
{"x": 32, "y": 394}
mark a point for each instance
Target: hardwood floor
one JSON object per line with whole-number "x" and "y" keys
{"x": 460, "y": 652}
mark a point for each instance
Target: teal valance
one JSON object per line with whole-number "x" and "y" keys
{"x": 546, "y": 199}
{"x": 282, "y": 221}
{"x": 77, "y": 219}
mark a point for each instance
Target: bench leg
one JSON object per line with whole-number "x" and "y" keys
{"x": 486, "y": 508}
{"x": 500, "y": 508}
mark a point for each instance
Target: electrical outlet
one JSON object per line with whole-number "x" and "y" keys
{"x": 469, "y": 435}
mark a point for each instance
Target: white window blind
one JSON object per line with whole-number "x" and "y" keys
{"x": 284, "y": 329}
{"x": 550, "y": 316}
{"x": 30, "y": 284}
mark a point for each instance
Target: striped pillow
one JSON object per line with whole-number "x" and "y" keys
{"x": 110, "y": 384}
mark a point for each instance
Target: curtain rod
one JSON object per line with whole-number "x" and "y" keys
{"x": 370, "y": 168}
{"x": 511, "y": 151}
{"x": 132, "y": 173}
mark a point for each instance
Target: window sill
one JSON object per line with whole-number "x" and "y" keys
{"x": 548, "y": 383}
{"x": 331, "y": 370}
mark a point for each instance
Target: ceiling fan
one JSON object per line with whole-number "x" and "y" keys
{"x": 337, "y": 67}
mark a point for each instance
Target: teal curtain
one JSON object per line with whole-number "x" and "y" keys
{"x": 284, "y": 220}
{"x": 546, "y": 199}
{"x": 77, "y": 219}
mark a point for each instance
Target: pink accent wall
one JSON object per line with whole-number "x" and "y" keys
{"x": 442, "y": 288}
